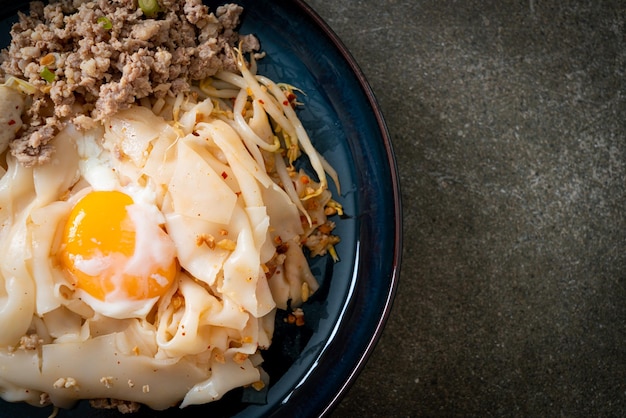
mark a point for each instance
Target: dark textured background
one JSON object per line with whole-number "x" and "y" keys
{"x": 508, "y": 121}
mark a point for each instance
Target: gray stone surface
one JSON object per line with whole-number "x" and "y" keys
{"x": 508, "y": 121}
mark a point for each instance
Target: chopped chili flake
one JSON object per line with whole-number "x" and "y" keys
{"x": 329, "y": 211}
{"x": 261, "y": 101}
{"x": 207, "y": 239}
{"x": 224, "y": 175}
{"x": 11, "y": 122}
{"x": 227, "y": 244}
{"x": 286, "y": 103}
{"x": 47, "y": 59}
{"x": 239, "y": 357}
{"x": 325, "y": 229}
{"x": 258, "y": 385}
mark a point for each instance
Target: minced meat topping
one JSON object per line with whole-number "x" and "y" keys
{"x": 88, "y": 59}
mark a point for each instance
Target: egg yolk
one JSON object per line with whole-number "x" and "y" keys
{"x": 100, "y": 252}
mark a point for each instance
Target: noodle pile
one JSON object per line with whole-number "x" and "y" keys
{"x": 215, "y": 167}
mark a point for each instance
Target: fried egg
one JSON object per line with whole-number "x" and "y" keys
{"x": 114, "y": 248}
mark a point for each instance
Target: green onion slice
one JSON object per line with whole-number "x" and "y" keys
{"x": 47, "y": 75}
{"x": 105, "y": 22}
{"x": 149, "y": 7}
{"x": 20, "y": 85}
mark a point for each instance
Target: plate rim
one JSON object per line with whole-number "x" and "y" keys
{"x": 394, "y": 275}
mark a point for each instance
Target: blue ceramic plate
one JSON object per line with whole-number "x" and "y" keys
{"x": 312, "y": 366}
